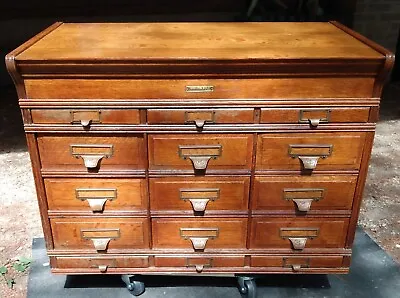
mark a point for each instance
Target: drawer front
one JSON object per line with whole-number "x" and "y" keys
{"x": 350, "y": 87}
{"x": 309, "y": 151}
{"x": 83, "y": 152}
{"x": 297, "y": 263}
{"x": 85, "y": 117}
{"x": 95, "y": 195}
{"x": 199, "y": 263}
{"x": 199, "y": 194}
{"x": 298, "y": 233}
{"x": 200, "y": 152}
{"x": 199, "y": 117}
{"x": 199, "y": 234}
{"x": 304, "y": 193}
{"x": 315, "y": 116}
{"x": 100, "y": 234}
{"x": 98, "y": 264}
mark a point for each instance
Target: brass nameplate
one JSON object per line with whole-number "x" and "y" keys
{"x": 199, "y": 88}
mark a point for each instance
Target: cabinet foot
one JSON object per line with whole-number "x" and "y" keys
{"x": 247, "y": 286}
{"x": 134, "y": 286}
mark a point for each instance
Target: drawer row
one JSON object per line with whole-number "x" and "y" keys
{"x": 201, "y": 195}
{"x": 198, "y": 264}
{"x": 200, "y": 117}
{"x": 125, "y": 234}
{"x": 198, "y": 153}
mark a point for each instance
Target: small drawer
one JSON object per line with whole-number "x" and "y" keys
{"x": 200, "y": 152}
{"x": 309, "y": 151}
{"x": 297, "y": 263}
{"x": 96, "y": 264}
{"x": 199, "y": 195}
{"x": 199, "y": 264}
{"x": 199, "y": 117}
{"x": 100, "y": 234}
{"x": 85, "y": 117}
{"x": 304, "y": 193}
{"x": 91, "y": 153}
{"x": 199, "y": 234}
{"x": 315, "y": 116}
{"x": 95, "y": 195}
{"x": 298, "y": 233}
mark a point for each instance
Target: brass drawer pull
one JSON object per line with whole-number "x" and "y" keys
{"x": 303, "y": 197}
{"x": 91, "y": 154}
{"x": 199, "y": 236}
{"x": 100, "y": 237}
{"x": 310, "y": 154}
{"x": 200, "y": 155}
{"x": 296, "y": 264}
{"x": 85, "y": 118}
{"x": 199, "y": 118}
{"x": 199, "y": 197}
{"x": 96, "y": 197}
{"x": 103, "y": 268}
{"x": 299, "y": 236}
{"x": 314, "y": 116}
{"x": 191, "y": 262}
{"x": 102, "y": 264}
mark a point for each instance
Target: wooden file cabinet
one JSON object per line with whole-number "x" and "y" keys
{"x": 199, "y": 148}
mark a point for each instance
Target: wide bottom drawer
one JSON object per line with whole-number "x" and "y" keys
{"x": 96, "y": 264}
{"x": 297, "y": 263}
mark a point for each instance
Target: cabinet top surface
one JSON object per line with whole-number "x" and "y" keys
{"x": 197, "y": 41}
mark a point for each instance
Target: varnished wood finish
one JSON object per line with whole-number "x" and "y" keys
{"x": 199, "y": 148}
{"x": 282, "y": 151}
{"x": 224, "y": 194}
{"x": 71, "y": 195}
{"x": 125, "y": 233}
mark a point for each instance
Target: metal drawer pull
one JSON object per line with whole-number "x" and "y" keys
{"x": 199, "y": 118}
{"x": 199, "y": 197}
{"x": 199, "y": 236}
{"x": 199, "y": 265}
{"x": 298, "y": 243}
{"x": 103, "y": 268}
{"x": 200, "y": 155}
{"x": 296, "y": 267}
{"x": 298, "y": 236}
{"x": 310, "y": 154}
{"x": 199, "y": 268}
{"x": 309, "y": 162}
{"x": 96, "y": 197}
{"x": 314, "y": 116}
{"x": 91, "y": 154}
{"x": 100, "y": 237}
{"x": 85, "y": 118}
{"x": 303, "y": 197}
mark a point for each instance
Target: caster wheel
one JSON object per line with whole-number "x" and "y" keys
{"x": 136, "y": 288}
{"x": 247, "y": 287}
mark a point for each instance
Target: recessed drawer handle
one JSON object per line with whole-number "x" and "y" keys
{"x": 303, "y": 197}
{"x": 199, "y": 197}
{"x": 100, "y": 237}
{"x": 314, "y": 116}
{"x": 200, "y": 155}
{"x": 310, "y": 154}
{"x": 96, "y": 197}
{"x": 199, "y": 236}
{"x": 298, "y": 243}
{"x": 91, "y": 154}
{"x": 85, "y": 118}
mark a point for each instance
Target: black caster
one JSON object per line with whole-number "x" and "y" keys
{"x": 134, "y": 286}
{"x": 247, "y": 286}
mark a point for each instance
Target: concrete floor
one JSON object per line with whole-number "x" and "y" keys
{"x": 373, "y": 273}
